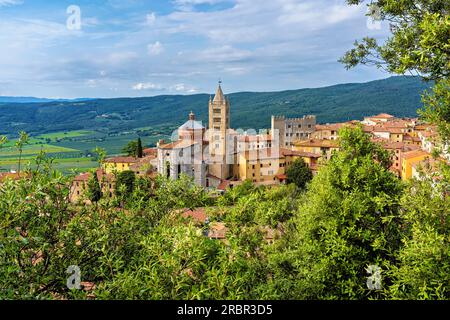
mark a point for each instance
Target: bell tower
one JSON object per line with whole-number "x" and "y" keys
{"x": 219, "y": 124}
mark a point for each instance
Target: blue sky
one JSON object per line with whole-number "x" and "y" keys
{"x": 151, "y": 47}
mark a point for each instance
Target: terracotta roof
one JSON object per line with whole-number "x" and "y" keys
{"x": 281, "y": 177}
{"x": 414, "y": 154}
{"x": 101, "y": 175}
{"x": 180, "y": 144}
{"x": 382, "y": 116}
{"x": 287, "y": 152}
{"x": 428, "y": 134}
{"x": 197, "y": 214}
{"x": 367, "y": 128}
{"x": 317, "y": 143}
{"x": 388, "y": 145}
{"x": 217, "y": 230}
{"x": 150, "y": 151}
{"x": 332, "y": 126}
{"x": 395, "y": 130}
{"x": 224, "y": 185}
{"x": 121, "y": 160}
{"x": 379, "y": 128}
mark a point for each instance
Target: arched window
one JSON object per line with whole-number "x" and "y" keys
{"x": 168, "y": 169}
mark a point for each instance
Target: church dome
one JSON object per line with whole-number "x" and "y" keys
{"x": 191, "y": 128}
{"x": 192, "y": 124}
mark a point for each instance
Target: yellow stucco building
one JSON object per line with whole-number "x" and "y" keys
{"x": 267, "y": 166}
{"x": 316, "y": 146}
{"x": 118, "y": 164}
{"x": 411, "y": 158}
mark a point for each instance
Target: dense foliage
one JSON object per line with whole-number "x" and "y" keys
{"x": 299, "y": 173}
{"x": 281, "y": 242}
{"x": 419, "y": 44}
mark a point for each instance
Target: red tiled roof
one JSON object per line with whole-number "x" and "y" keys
{"x": 121, "y": 160}
{"x": 287, "y": 152}
{"x": 224, "y": 185}
{"x": 84, "y": 177}
{"x": 198, "y": 214}
{"x": 180, "y": 144}
{"x": 382, "y": 116}
{"x": 331, "y": 126}
{"x": 415, "y": 153}
{"x": 217, "y": 230}
{"x": 150, "y": 152}
{"x": 317, "y": 143}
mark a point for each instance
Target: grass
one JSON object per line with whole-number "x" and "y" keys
{"x": 34, "y": 149}
{"x": 64, "y": 135}
{"x": 72, "y": 150}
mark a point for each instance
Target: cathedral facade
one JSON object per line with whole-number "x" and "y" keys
{"x": 206, "y": 155}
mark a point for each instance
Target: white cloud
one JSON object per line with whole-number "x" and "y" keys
{"x": 181, "y": 87}
{"x": 188, "y": 5}
{"x": 147, "y": 86}
{"x": 151, "y": 18}
{"x": 4, "y": 3}
{"x": 91, "y": 83}
{"x": 155, "y": 49}
{"x": 223, "y": 54}
{"x": 90, "y": 22}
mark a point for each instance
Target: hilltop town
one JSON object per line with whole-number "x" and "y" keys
{"x": 219, "y": 157}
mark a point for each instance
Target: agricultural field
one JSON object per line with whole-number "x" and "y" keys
{"x": 72, "y": 151}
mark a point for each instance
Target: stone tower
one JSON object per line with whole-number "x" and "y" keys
{"x": 219, "y": 125}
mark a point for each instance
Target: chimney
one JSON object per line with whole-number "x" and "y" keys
{"x": 160, "y": 142}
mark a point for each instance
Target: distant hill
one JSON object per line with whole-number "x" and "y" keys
{"x": 399, "y": 96}
{"x": 4, "y": 99}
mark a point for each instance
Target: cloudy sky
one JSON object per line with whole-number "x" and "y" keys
{"x": 152, "y": 47}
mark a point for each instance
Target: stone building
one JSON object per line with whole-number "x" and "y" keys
{"x": 221, "y": 137}
{"x": 292, "y": 129}
{"x": 187, "y": 154}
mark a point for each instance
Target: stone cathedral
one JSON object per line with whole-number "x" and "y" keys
{"x": 205, "y": 155}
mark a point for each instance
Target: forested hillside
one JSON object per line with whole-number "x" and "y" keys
{"x": 400, "y": 96}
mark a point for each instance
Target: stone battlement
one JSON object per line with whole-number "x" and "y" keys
{"x": 283, "y": 118}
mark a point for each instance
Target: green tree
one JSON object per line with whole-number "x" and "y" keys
{"x": 139, "y": 149}
{"x": 437, "y": 108}
{"x": 299, "y": 173}
{"x": 420, "y": 44}
{"x": 131, "y": 148}
{"x": 20, "y": 143}
{"x": 423, "y": 271}
{"x": 348, "y": 221}
{"x": 94, "y": 192}
{"x": 125, "y": 183}
{"x": 101, "y": 154}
